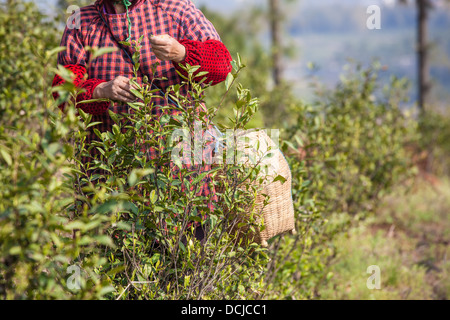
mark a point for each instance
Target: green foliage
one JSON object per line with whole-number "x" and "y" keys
{"x": 354, "y": 141}
{"x": 128, "y": 231}
{"x": 156, "y": 204}
{"x": 406, "y": 239}
{"x": 25, "y": 35}
{"x": 129, "y": 221}
{"x": 346, "y": 152}
{"x": 37, "y": 239}
{"x": 132, "y": 226}
{"x": 434, "y": 128}
{"x": 37, "y": 242}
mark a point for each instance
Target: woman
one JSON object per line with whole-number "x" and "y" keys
{"x": 175, "y": 32}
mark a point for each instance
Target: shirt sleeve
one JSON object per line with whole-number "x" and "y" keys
{"x": 203, "y": 46}
{"x": 88, "y": 85}
{"x": 211, "y": 55}
{"x": 195, "y": 26}
{"x": 74, "y": 58}
{"x": 74, "y": 53}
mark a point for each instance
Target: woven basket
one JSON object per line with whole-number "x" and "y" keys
{"x": 278, "y": 214}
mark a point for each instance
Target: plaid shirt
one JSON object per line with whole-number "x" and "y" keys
{"x": 179, "y": 18}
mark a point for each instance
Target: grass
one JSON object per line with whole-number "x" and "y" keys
{"x": 408, "y": 239}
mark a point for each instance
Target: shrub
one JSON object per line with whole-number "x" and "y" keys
{"x": 130, "y": 231}
{"x": 346, "y": 151}
{"x": 435, "y": 134}
{"x": 355, "y": 141}
{"x": 36, "y": 243}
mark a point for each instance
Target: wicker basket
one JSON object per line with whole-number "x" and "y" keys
{"x": 278, "y": 214}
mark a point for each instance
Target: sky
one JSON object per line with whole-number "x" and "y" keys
{"x": 231, "y": 5}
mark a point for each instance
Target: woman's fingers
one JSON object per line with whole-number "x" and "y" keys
{"x": 160, "y": 54}
{"x": 123, "y": 90}
{"x": 160, "y": 41}
{"x": 167, "y": 48}
{"x": 126, "y": 86}
{"x": 118, "y": 89}
{"x": 125, "y": 96}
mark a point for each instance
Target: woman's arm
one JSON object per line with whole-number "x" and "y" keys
{"x": 117, "y": 90}
{"x": 211, "y": 55}
{"x": 198, "y": 45}
{"x": 88, "y": 85}
{"x": 74, "y": 58}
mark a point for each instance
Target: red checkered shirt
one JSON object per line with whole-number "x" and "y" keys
{"x": 179, "y": 18}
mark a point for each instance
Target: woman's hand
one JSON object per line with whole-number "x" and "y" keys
{"x": 167, "y": 48}
{"x": 117, "y": 90}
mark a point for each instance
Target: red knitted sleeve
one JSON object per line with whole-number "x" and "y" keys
{"x": 89, "y": 86}
{"x": 211, "y": 55}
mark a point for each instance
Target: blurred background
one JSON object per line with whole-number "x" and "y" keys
{"x": 334, "y": 86}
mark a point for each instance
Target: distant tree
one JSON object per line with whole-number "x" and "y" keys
{"x": 423, "y": 50}
{"x": 275, "y": 29}
{"x": 423, "y": 7}
{"x": 276, "y": 107}
{"x": 276, "y": 17}
{"x": 423, "y": 69}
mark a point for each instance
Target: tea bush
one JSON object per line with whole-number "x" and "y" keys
{"x": 346, "y": 151}
{"x": 156, "y": 203}
{"x": 36, "y": 243}
{"x": 131, "y": 229}
{"x": 128, "y": 232}
{"x": 354, "y": 140}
